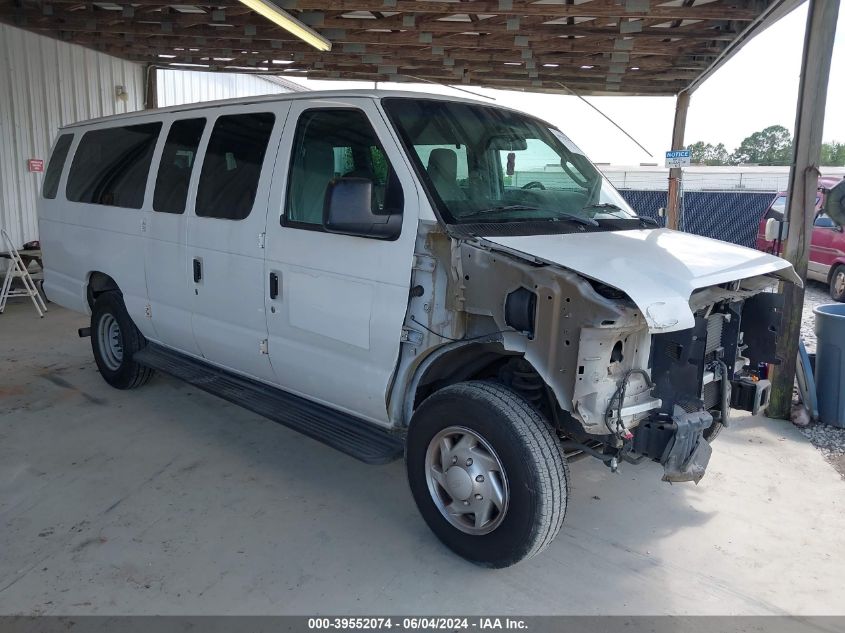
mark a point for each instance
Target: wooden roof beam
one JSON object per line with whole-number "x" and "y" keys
{"x": 191, "y": 27}
{"x": 738, "y": 10}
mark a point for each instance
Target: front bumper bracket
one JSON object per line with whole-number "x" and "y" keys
{"x": 678, "y": 444}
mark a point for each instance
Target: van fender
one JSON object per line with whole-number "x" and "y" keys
{"x": 97, "y": 284}
{"x": 464, "y": 358}
{"x": 839, "y": 261}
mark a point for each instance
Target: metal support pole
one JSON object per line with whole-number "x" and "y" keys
{"x": 803, "y": 180}
{"x": 673, "y": 203}
{"x": 150, "y": 87}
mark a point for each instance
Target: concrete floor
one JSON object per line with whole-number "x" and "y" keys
{"x": 167, "y": 500}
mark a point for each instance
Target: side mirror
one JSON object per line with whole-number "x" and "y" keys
{"x": 661, "y": 212}
{"x": 834, "y": 205}
{"x": 348, "y": 209}
{"x": 773, "y": 229}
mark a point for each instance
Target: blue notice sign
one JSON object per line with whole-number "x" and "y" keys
{"x": 678, "y": 158}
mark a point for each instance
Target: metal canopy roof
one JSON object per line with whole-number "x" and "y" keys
{"x": 588, "y": 46}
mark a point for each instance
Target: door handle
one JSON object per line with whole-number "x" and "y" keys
{"x": 274, "y": 285}
{"x": 197, "y": 270}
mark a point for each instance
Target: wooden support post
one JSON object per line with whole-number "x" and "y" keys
{"x": 673, "y": 203}
{"x": 803, "y": 180}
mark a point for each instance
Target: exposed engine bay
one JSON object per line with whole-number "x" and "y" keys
{"x": 614, "y": 385}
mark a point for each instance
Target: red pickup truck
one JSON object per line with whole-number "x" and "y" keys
{"x": 827, "y": 248}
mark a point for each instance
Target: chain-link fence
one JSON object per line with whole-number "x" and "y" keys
{"x": 729, "y": 216}
{"x": 700, "y": 181}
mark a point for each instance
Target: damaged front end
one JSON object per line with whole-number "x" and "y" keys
{"x": 693, "y": 377}
{"x": 628, "y": 380}
{"x": 677, "y": 442}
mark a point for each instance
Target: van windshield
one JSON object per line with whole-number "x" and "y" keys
{"x": 486, "y": 165}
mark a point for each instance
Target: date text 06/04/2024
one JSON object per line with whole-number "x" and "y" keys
{"x": 416, "y": 623}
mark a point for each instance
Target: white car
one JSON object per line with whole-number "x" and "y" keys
{"x": 393, "y": 272}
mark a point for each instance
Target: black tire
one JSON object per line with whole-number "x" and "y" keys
{"x": 122, "y": 373}
{"x": 712, "y": 431}
{"x": 837, "y": 283}
{"x": 536, "y": 470}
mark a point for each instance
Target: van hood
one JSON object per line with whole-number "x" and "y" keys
{"x": 657, "y": 268}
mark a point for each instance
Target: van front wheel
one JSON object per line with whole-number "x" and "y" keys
{"x": 487, "y": 473}
{"x": 114, "y": 340}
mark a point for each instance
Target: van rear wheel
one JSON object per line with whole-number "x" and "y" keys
{"x": 114, "y": 341}
{"x": 487, "y": 473}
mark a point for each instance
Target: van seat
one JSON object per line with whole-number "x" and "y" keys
{"x": 312, "y": 177}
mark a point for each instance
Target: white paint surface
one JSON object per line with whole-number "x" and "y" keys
{"x": 657, "y": 268}
{"x": 315, "y": 300}
{"x": 334, "y": 331}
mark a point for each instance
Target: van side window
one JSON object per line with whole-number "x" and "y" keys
{"x": 232, "y": 165}
{"x": 777, "y": 209}
{"x": 56, "y": 166}
{"x": 824, "y": 221}
{"x": 111, "y": 165}
{"x": 336, "y": 143}
{"x": 177, "y": 163}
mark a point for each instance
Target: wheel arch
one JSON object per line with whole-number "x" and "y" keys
{"x": 98, "y": 283}
{"x": 454, "y": 363}
{"x": 838, "y": 262}
{"x": 838, "y": 265}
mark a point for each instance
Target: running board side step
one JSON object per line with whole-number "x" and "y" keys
{"x": 346, "y": 433}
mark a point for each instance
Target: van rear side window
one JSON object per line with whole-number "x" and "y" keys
{"x": 231, "y": 168}
{"x": 56, "y": 166}
{"x": 176, "y": 165}
{"x": 111, "y": 165}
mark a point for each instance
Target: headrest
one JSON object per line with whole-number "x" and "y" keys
{"x": 318, "y": 158}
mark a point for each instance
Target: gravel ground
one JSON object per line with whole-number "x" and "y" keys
{"x": 830, "y": 440}
{"x": 815, "y": 294}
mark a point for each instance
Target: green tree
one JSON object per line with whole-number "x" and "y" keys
{"x": 771, "y": 146}
{"x": 833, "y": 154}
{"x": 707, "y": 154}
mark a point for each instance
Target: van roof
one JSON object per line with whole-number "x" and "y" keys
{"x": 288, "y": 96}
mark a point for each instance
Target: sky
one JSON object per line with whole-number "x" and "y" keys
{"x": 758, "y": 87}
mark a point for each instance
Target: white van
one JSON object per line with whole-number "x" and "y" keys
{"x": 393, "y": 272}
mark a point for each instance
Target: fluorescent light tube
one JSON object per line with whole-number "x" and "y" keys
{"x": 289, "y": 23}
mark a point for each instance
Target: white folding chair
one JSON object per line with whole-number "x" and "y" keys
{"x": 18, "y": 270}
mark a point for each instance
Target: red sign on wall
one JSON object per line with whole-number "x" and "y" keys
{"x": 35, "y": 164}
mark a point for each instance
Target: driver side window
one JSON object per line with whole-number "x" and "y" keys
{"x": 330, "y": 144}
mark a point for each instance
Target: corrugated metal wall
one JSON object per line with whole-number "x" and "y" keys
{"x": 44, "y": 84}
{"x": 176, "y": 87}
